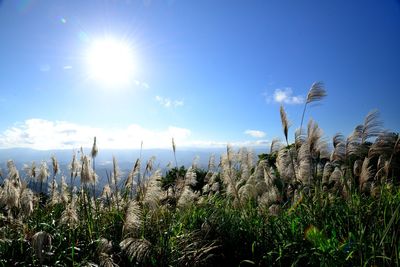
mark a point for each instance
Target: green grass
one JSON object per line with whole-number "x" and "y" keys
{"x": 321, "y": 231}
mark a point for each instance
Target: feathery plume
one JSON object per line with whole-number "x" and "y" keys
{"x": 275, "y": 145}
{"x": 285, "y": 123}
{"x": 316, "y": 93}
{"x": 87, "y": 174}
{"x": 372, "y": 126}
{"x": 137, "y": 249}
{"x": 55, "y": 165}
{"x": 152, "y": 191}
{"x": 94, "y": 150}
{"x": 187, "y": 197}
{"x": 27, "y": 201}
{"x": 211, "y": 163}
{"x": 326, "y": 174}
{"x": 11, "y": 194}
{"x": 69, "y": 216}
{"x": 191, "y": 177}
{"x": 365, "y": 175}
{"x": 133, "y": 219}
{"x": 64, "y": 190}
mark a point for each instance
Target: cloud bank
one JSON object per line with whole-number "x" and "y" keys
{"x": 43, "y": 134}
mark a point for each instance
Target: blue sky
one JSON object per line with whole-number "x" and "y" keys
{"x": 205, "y": 72}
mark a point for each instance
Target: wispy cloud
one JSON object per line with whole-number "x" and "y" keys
{"x": 43, "y": 134}
{"x": 255, "y": 133}
{"x": 45, "y": 68}
{"x": 168, "y": 103}
{"x": 143, "y": 85}
{"x": 285, "y": 96}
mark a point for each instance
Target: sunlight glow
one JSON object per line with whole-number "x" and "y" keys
{"x": 110, "y": 62}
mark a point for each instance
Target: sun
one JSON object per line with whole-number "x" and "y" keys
{"x": 110, "y": 62}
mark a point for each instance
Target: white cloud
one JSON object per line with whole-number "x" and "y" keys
{"x": 44, "y": 134}
{"x": 255, "y": 133}
{"x": 168, "y": 103}
{"x": 143, "y": 85}
{"x": 45, "y": 68}
{"x": 285, "y": 96}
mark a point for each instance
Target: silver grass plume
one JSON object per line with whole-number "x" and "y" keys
{"x": 130, "y": 181}
{"x": 187, "y": 197}
{"x": 299, "y": 138}
{"x": 357, "y": 167}
{"x": 69, "y": 216}
{"x": 133, "y": 219}
{"x": 27, "y": 201}
{"x": 43, "y": 173}
{"x": 275, "y": 145}
{"x": 138, "y": 250}
{"x": 314, "y": 135}
{"x": 106, "y": 193}
{"x": 339, "y": 148}
{"x": 365, "y": 175}
{"x": 211, "y": 163}
{"x": 326, "y": 174}
{"x": 94, "y": 150}
{"x": 64, "y": 190}
{"x": 54, "y": 194}
{"x": 152, "y": 191}
{"x": 372, "y": 126}
{"x": 229, "y": 173}
{"x": 316, "y": 93}
{"x": 191, "y": 177}
{"x": 285, "y": 123}
{"x": 247, "y": 192}
{"x": 384, "y": 144}
{"x": 174, "y": 150}
{"x": 88, "y": 175}
{"x": 104, "y": 246}
{"x": 31, "y": 171}
{"x": 284, "y": 164}
{"x": 305, "y": 164}
{"x": 74, "y": 166}
{"x": 13, "y": 174}
{"x": 55, "y": 165}
{"x": 10, "y": 194}
{"x": 104, "y": 250}
{"x": 246, "y": 162}
{"x": 106, "y": 260}
{"x": 41, "y": 243}
{"x": 336, "y": 175}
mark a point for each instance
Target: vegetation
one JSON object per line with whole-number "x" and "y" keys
{"x": 300, "y": 204}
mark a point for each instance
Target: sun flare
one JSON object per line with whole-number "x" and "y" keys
{"x": 110, "y": 62}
